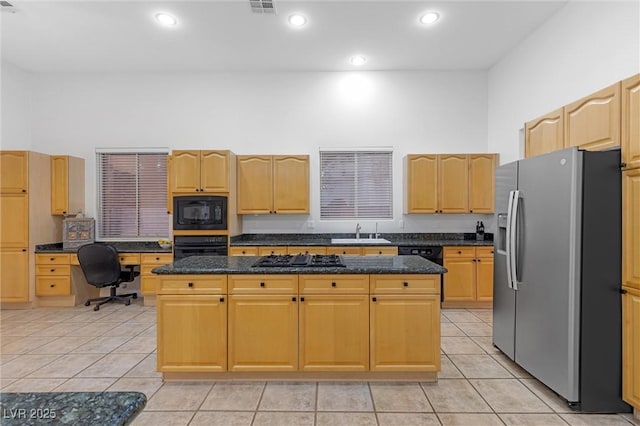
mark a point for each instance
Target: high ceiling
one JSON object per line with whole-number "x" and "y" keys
{"x": 113, "y": 36}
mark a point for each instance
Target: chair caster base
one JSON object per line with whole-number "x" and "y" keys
{"x": 87, "y": 303}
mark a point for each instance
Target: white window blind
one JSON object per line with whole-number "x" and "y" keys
{"x": 132, "y": 195}
{"x": 356, "y": 185}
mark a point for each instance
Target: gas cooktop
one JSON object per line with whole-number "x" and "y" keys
{"x": 299, "y": 260}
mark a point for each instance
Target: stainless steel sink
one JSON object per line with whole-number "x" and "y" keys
{"x": 359, "y": 241}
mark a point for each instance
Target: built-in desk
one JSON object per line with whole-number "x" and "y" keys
{"x": 60, "y": 282}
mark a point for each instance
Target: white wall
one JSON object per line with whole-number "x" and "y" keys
{"x": 15, "y": 107}
{"x": 270, "y": 113}
{"x": 584, "y": 47}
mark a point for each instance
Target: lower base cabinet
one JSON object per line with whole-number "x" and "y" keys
{"x": 334, "y": 332}
{"x": 14, "y": 275}
{"x": 469, "y": 279}
{"x": 263, "y": 333}
{"x": 405, "y": 333}
{"x": 192, "y": 333}
{"x": 631, "y": 346}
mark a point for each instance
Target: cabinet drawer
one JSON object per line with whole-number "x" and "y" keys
{"x": 52, "y": 259}
{"x": 334, "y": 284}
{"x": 306, "y": 250}
{"x": 155, "y": 258}
{"x": 380, "y": 251}
{"x": 453, "y": 252}
{"x": 149, "y": 284}
{"x": 129, "y": 258}
{"x": 53, "y": 286}
{"x": 354, "y": 251}
{"x": 243, "y": 251}
{"x": 146, "y": 270}
{"x": 405, "y": 284}
{"x": 263, "y": 284}
{"x": 266, "y": 251}
{"x": 53, "y": 269}
{"x": 484, "y": 251}
{"x": 193, "y": 284}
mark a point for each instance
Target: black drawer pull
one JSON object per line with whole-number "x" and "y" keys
{"x": 333, "y": 284}
{"x": 406, "y": 284}
{"x": 261, "y": 284}
{"x": 52, "y": 259}
{"x": 52, "y": 285}
{"x": 293, "y": 299}
{"x": 190, "y": 284}
{"x": 222, "y": 299}
{"x": 302, "y": 299}
{"x": 52, "y": 270}
{"x": 373, "y": 299}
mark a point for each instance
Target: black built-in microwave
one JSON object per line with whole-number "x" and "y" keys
{"x": 200, "y": 212}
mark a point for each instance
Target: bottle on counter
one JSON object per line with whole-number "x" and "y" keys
{"x": 480, "y": 231}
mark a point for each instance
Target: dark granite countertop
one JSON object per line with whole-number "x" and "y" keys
{"x": 121, "y": 246}
{"x": 400, "y": 239}
{"x": 354, "y": 265}
{"x": 70, "y": 408}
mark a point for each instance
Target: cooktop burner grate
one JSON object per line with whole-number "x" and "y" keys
{"x": 299, "y": 260}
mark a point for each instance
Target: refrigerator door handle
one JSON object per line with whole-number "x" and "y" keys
{"x": 513, "y": 252}
{"x": 508, "y": 247}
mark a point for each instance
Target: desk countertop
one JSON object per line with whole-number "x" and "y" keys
{"x": 121, "y": 246}
{"x": 70, "y": 408}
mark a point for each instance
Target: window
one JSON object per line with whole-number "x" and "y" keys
{"x": 132, "y": 195}
{"x": 356, "y": 184}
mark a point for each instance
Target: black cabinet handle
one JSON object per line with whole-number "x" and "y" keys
{"x": 623, "y": 165}
{"x": 190, "y": 284}
{"x": 406, "y": 284}
{"x": 52, "y": 285}
{"x": 302, "y": 299}
{"x": 52, "y": 259}
{"x": 52, "y": 270}
{"x": 373, "y": 299}
{"x": 293, "y": 299}
{"x": 479, "y": 260}
{"x": 261, "y": 284}
{"x": 24, "y": 190}
{"x": 222, "y": 299}
{"x": 333, "y": 284}
{"x": 623, "y": 291}
{"x": 459, "y": 252}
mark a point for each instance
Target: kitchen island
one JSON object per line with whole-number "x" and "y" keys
{"x": 374, "y": 318}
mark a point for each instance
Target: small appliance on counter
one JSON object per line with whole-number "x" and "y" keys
{"x": 77, "y": 232}
{"x": 479, "y": 231}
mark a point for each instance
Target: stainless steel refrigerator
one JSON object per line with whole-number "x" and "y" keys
{"x": 557, "y": 276}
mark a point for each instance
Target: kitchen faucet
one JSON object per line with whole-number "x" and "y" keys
{"x": 358, "y": 228}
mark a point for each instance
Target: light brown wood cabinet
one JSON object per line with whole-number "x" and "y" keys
{"x": 192, "y": 332}
{"x": 631, "y": 122}
{"x": 544, "y": 134}
{"x": 273, "y": 184}
{"x": 14, "y": 274}
{"x": 67, "y": 185}
{"x": 311, "y": 250}
{"x": 14, "y": 172}
{"x": 53, "y": 275}
{"x": 593, "y": 122}
{"x": 631, "y": 228}
{"x": 631, "y": 347}
{"x": 469, "y": 279}
{"x": 199, "y": 171}
{"x": 449, "y": 183}
{"x": 243, "y": 251}
{"x": 263, "y": 322}
{"x": 150, "y": 282}
{"x": 14, "y": 220}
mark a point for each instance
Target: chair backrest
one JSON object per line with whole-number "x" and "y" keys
{"x": 100, "y": 264}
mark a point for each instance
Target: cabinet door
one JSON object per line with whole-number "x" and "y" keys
{"x": 460, "y": 281}
{"x": 631, "y": 228}
{"x": 405, "y": 333}
{"x": 14, "y": 171}
{"x": 60, "y": 184}
{"x": 291, "y": 184}
{"x": 255, "y": 184}
{"x": 379, "y": 251}
{"x": 334, "y": 333}
{"x": 14, "y": 220}
{"x": 214, "y": 171}
{"x": 484, "y": 278}
{"x": 631, "y": 347}
{"x": 631, "y": 122}
{"x": 14, "y": 275}
{"x": 192, "y": 333}
{"x": 185, "y": 171}
{"x": 453, "y": 178}
{"x": 482, "y": 169}
{"x": 593, "y": 122}
{"x": 421, "y": 184}
{"x": 544, "y": 134}
{"x": 263, "y": 333}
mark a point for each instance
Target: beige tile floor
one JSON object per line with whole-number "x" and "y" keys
{"x": 77, "y": 349}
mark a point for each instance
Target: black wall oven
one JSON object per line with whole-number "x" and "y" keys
{"x": 199, "y": 212}
{"x": 199, "y": 245}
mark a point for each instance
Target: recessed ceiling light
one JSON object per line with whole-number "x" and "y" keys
{"x": 166, "y": 19}
{"x": 297, "y": 20}
{"x": 429, "y": 18}
{"x": 358, "y": 60}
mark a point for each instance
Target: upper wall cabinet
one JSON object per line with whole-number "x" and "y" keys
{"x": 544, "y": 134}
{"x": 14, "y": 171}
{"x": 593, "y": 122}
{"x": 631, "y": 122}
{"x": 199, "y": 171}
{"x": 67, "y": 185}
{"x": 273, "y": 184}
{"x": 451, "y": 183}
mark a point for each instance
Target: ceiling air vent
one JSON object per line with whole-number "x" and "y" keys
{"x": 263, "y": 6}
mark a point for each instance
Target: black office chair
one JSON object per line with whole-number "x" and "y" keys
{"x": 101, "y": 268}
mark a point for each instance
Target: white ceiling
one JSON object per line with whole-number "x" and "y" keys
{"x": 113, "y": 36}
